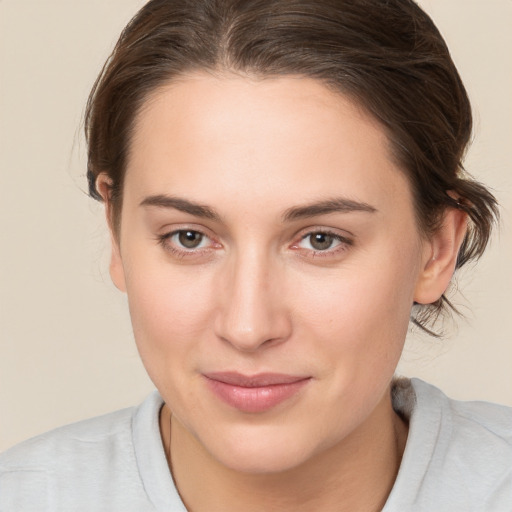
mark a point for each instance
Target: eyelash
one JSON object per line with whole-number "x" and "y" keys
{"x": 165, "y": 241}
{"x": 344, "y": 243}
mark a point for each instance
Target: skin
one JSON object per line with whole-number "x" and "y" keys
{"x": 257, "y": 295}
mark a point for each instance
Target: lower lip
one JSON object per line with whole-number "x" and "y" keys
{"x": 259, "y": 399}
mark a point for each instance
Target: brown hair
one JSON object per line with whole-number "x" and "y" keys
{"x": 385, "y": 54}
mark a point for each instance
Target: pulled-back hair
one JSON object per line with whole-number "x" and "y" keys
{"x": 386, "y": 55}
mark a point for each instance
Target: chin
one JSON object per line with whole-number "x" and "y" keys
{"x": 263, "y": 462}
{"x": 260, "y": 450}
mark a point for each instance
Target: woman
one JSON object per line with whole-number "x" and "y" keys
{"x": 284, "y": 188}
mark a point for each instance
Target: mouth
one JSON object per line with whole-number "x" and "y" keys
{"x": 255, "y": 393}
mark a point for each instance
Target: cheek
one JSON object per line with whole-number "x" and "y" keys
{"x": 352, "y": 327}
{"x": 170, "y": 311}
{"x": 361, "y": 309}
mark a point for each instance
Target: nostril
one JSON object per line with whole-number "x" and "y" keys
{"x": 259, "y": 333}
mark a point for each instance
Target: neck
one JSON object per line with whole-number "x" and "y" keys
{"x": 356, "y": 474}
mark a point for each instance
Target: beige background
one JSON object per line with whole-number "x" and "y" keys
{"x": 66, "y": 348}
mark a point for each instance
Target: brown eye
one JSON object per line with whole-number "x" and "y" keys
{"x": 324, "y": 243}
{"x": 190, "y": 239}
{"x": 321, "y": 241}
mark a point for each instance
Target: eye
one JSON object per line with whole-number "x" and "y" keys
{"x": 188, "y": 239}
{"x": 186, "y": 242}
{"x": 322, "y": 243}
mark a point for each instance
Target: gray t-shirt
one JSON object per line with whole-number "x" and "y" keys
{"x": 458, "y": 457}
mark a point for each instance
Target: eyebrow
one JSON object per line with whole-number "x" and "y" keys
{"x": 183, "y": 205}
{"x": 335, "y": 205}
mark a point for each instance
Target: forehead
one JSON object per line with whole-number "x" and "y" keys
{"x": 260, "y": 139}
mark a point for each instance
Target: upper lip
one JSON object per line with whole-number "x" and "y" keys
{"x": 254, "y": 381}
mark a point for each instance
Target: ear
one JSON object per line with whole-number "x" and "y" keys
{"x": 104, "y": 187}
{"x": 440, "y": 257}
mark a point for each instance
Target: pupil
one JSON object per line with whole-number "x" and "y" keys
{"x": 321, "y": 241}
{"x": 190, "y": 239}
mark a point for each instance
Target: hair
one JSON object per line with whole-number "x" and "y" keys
{"x": 386, "y": 55}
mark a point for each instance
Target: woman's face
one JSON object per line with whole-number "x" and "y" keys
{"x": 270, "y": 255}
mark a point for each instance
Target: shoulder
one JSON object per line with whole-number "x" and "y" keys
{"x": 472, "y": 422}
{"x": 458, "y": 454}
{"x": 85, "y": 462}
{"x": 472, "y": 454}
{"x": 51, "y": 448}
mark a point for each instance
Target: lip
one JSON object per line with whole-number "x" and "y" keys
{"x": 254, "y": 393}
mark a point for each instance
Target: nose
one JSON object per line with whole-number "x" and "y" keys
{"x": 252, "y": 311}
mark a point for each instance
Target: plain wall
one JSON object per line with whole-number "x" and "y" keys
{"x": 66, "y": 347}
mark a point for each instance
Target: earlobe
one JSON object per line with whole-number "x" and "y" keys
{"x": 104, "y": 186}
{"x": 116, "y": 266}
{"x": 440, "y": 257}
